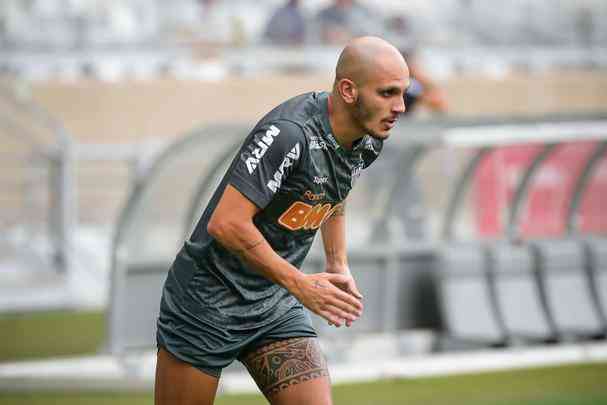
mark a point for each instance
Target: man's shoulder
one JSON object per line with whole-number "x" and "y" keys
{"x": 297, "y": 111}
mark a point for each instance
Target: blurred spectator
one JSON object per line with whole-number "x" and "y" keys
{"x": 345, "y": 19}
{"x": 423, "y": 90}
{"x": 216, "y": 22}
{"x": 287, "y": 25}
{"x": 584, "y": 25}
{"x": 225, "y": 22}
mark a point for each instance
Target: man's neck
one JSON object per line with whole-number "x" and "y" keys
{"x": 343, "y": 131}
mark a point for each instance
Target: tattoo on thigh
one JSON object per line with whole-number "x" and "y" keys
{"x": 282, "y": 364}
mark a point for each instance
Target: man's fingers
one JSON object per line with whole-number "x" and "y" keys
{"x": 348, "y": 322}
{"x": 332, "y": 319}
{"x": 348, "y": 299}
{"x": 348, "y": 282}
{"x": 336, "y": 278}
{"x": 336, "y": 317}
{"x": 355, "y": 291}
{"x": 340, "y": 294}
{"x": 337, "y": 308}
{"x": 348, "y": 310}
{"x": 352, "y": 289}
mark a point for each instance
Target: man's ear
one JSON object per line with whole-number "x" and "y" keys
{"x": 348, "y": 91}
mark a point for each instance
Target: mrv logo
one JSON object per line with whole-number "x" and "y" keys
{"x": 305, "y": 216}
{"x": 288, "y": 161}
{"x": 263, "y": 145}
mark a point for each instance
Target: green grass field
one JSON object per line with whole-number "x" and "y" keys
{"x": 52, "y": 334}
{"x": 45, "y": 334}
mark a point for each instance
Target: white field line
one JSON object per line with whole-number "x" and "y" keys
{"x": 105, "y": 372}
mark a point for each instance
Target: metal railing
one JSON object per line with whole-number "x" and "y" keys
{"x": 38, "y": 140}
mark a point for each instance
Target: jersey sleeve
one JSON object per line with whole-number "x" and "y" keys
{"x": 268, "y": 157}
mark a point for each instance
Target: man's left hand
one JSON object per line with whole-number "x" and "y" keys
{"x": 349, "y": 285}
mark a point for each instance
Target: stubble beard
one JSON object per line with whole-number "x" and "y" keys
{"x": 362, "y": 115}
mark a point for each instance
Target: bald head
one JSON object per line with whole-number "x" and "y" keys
{"x": 371, "y": 78}
{"x": 365, "y": 56}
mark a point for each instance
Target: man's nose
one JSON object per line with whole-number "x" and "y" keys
{"x": 399, "y": 106}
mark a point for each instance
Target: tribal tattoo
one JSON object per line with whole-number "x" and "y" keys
{"x": 280, "y": 365}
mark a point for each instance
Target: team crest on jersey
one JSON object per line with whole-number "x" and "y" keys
{"x": 316, "y": 142}
{"x": 288, "y": 161}
{"x": 261, "y": 146}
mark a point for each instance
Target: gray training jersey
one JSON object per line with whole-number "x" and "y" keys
{"x": 292, "y": 168}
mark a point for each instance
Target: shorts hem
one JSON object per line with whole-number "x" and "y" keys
{"x": 211, "y": 371}
{"x": 268, "y": 341}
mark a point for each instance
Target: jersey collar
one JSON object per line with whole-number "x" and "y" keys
{"x": 326, "y": 123}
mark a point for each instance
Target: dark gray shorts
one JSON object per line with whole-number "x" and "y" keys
{"x": 210, "y": 347}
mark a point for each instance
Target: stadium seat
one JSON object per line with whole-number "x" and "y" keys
{"x": 518, "y": 294}
{"x": 596, "y": 264}
{"x": 465, "y": 294}
{"x": 563, "y": 277}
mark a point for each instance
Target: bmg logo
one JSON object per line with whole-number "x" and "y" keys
{"x": 305, "y": 216}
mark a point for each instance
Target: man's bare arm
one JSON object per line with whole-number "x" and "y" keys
{"x": 336, "y": 253}
{"x": 334, "y": 240}
{"x": 232, "y": 225}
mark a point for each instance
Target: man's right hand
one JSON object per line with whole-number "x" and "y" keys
{"x": 320, "y": 294}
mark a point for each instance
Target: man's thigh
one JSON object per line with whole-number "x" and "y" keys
{"x": 291, "y": 371}
{"x": 179, "y": 383}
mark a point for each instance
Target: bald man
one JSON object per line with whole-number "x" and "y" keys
{"x": 235, "y": 290}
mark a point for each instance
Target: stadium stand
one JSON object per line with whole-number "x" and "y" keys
{"x": 205, "y": 40}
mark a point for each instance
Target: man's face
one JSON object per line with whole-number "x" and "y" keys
{"x": 380, "y": 102}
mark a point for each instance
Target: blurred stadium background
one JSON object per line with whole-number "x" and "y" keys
{"x": 478, "y": 238}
